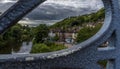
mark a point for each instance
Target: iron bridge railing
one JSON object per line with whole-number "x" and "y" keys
{"x": 82, "y": 56}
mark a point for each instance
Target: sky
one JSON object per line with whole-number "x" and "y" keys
{"x": 57, "y": 9}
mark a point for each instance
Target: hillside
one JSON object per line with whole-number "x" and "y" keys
{"x": 80, "y": 20}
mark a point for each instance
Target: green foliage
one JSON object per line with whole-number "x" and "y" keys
{"x": 79, "y": 20}
{"x": 25, "y": 37}
{"x": 39, "y": 48}
{"x": 49, "y": 47}
{"x": 41, "y": 32}
{"x": 103, "y": 63}
{"x": 9, "y": 46}
{"x": 14, "y": 33}
{"x": 56, "y": 38}
{"x": 11, "y": 34}
{"x": 27, "y": 33}
{"x": 87, "y": 32}
{"x": 56, "y": 47}
{"x": 2, "y": 41}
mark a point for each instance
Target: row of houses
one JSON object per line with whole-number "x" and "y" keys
{"x": 70, "y": 35}
{"x": 65, "y": 36}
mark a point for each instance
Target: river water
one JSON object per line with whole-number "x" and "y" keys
{"x": 24, "y": 49}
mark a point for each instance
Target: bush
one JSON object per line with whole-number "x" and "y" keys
{"x": 49, "y": 43}
{"x": 41, "y": 48}
{"x": 56, "y": 47}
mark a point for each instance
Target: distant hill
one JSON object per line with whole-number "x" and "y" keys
{"x": 80, "y": 20}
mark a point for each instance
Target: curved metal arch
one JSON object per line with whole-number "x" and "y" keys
{"x": 76, "y": 57}
{"x": 17, "y": 12}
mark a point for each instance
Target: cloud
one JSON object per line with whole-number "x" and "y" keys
{"x": 77, "y": 3}
{"x": 5, "y": 4}
{"x": 58, "y": 9}
{"x": 7, "y": 1}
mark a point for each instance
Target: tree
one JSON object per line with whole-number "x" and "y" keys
{"x": 2, "y": 42}
{"x": 13, "y": 33}
{"x": 56, "y": 38}
{"x": 27, "y": 33}
{"x": 80, "y": 20}
{"x": 16, "y": 32}
{"x": 87, "y": 32}
{"x": 41, "y": 32}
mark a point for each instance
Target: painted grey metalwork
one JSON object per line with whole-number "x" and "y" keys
{"x": 82, "y": 56}
{"x": 16, "y": 12}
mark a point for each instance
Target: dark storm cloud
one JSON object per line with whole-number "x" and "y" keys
{"x": 55, "y": 10}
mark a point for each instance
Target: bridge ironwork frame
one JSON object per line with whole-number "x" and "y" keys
{"x": 82, "y": 56}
